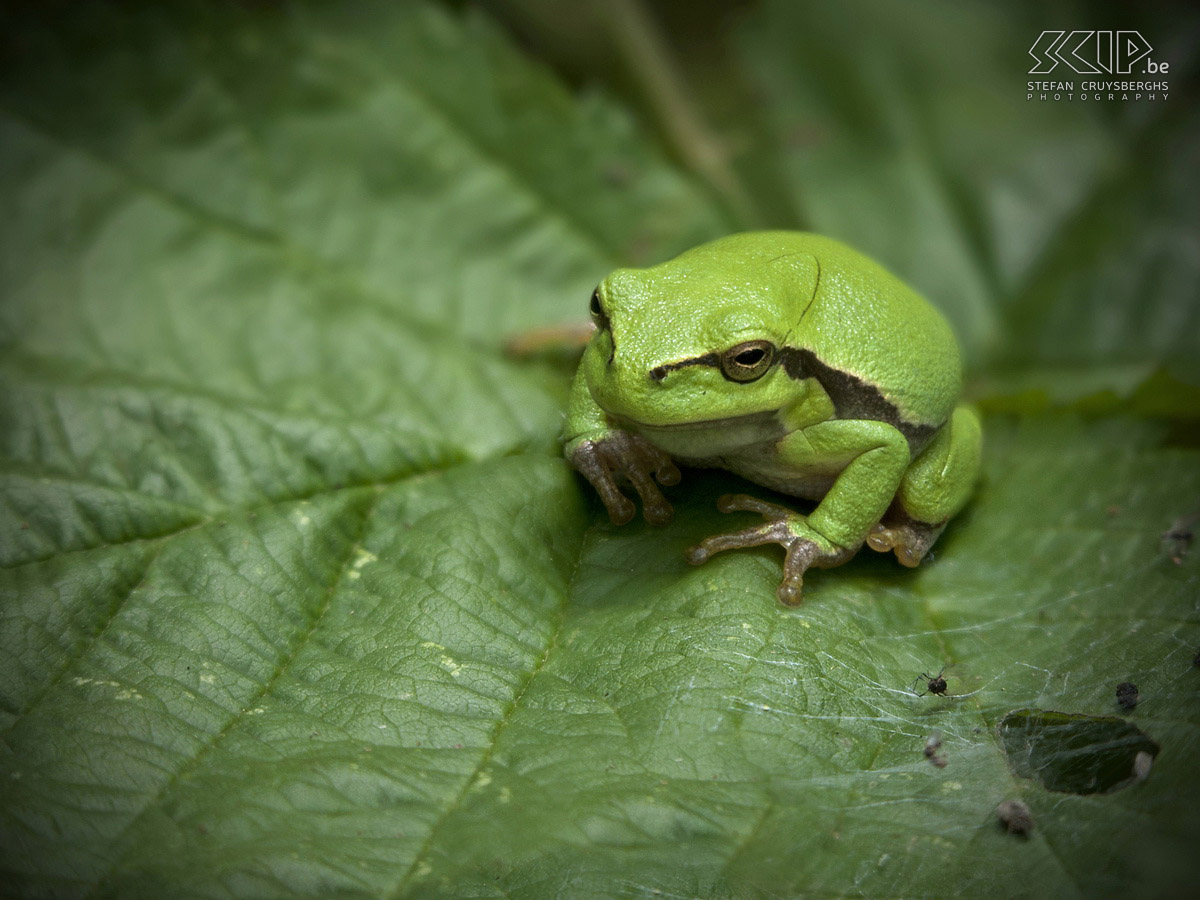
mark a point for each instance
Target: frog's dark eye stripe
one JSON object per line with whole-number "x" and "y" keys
{"x": 747, "y": 361}
{"x": 599, "y": 316}
{"x": 658, "y": 373}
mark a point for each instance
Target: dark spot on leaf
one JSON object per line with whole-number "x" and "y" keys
{"x": 1127, "y": 695}
{"x": 1073, "y": 753}
{"x": 1015, "y": 816}
{"x": 932, "y": 744}
{"x": 1177, "y": 539}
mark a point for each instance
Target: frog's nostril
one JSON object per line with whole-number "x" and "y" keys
{"x": 658, "y": 373}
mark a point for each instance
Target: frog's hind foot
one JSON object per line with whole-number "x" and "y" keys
{"x": 909, "y": 540}
{"x": 804, "y": 548}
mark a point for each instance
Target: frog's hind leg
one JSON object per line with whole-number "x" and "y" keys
{"x": 935, "y": 487}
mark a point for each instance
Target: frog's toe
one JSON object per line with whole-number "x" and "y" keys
{"x": 620, "y": 457}
{"x": 801, "y": 554}
{"x": 644, "y": 465}
{"x": 728, "y": 503}
{"x": 910, "y": 541}
{"x": 620, "y": 508}
{"x": 782, "y": 527}
{"x": 655, "y": 508}
{"x": 667, "y": 473}
{"x": 771, "y": 533}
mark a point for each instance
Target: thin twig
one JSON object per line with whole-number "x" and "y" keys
{"x": 651, "y": 62}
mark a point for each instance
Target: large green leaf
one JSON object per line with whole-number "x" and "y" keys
{"x": 298, "y": 598}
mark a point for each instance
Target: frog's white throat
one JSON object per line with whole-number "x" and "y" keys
{"x": 708, "y": 438}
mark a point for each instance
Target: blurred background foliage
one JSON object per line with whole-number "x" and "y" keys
{"x": 1062, "y": 238}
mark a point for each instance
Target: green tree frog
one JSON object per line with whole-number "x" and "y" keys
{"x": 795, "y": 362}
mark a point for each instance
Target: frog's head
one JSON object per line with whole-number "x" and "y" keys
{"x": 698, "y": 339}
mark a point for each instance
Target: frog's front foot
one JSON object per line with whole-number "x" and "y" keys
{"x": 622, "y": 456}
{"x": 805, "y": 547}
{"x": 910, "y": 540}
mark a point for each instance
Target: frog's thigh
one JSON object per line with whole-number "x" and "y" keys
{"x": 876, "y": 456}
{"x": 939, "y": 481}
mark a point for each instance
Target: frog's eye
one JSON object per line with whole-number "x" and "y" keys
{"x": 599, "y": 316}
{"x": 747, "y": 361}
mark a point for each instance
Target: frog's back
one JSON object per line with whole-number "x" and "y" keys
{"x": 874, "y": 342}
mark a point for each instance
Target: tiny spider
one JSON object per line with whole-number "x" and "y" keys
{"x": 934, "y": 684}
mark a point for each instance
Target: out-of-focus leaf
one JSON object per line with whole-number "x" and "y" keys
{"x": 1055, "y": 235}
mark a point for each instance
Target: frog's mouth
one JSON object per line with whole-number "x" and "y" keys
{"x": 756, "y": 418}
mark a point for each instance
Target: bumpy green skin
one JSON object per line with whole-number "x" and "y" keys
{"x": 795, "y": 362}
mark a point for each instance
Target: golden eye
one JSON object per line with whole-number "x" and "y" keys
{"x": 747, "y": 361}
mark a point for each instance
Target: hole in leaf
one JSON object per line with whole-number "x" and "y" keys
{"x": 1073, "y": 753}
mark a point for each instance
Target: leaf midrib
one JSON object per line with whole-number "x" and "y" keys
{"x": 560, "y": 617}
{"x": 289, "y": 657}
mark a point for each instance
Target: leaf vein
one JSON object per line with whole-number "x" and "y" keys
{"x": 86, "y": 645}
{"x": 281, "y": 668}
{"x": 493, "y": 740}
